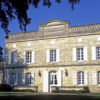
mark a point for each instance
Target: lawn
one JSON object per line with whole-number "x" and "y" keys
{"x": 31, "y": 96}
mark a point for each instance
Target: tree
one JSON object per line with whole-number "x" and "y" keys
{"x": 11, "y": 8}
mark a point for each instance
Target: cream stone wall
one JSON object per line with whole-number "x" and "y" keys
{"x": 1, "y": 76}
{"x": 65, "y": 42}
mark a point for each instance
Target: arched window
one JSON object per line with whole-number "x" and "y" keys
{"x": 80, "y": 78}
{"x": 53, "y": 78}
{"x": 99, "y": 77}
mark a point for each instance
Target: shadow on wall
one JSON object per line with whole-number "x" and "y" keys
{"x": 16, "y": 65}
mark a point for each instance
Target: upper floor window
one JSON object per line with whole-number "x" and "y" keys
{"x": 80, "y": 78}
{"x": 29, "y": 57}
{"x": 80, "y": 54}
{"x": 98, "y": 53}
{"x": 53, "y": 55}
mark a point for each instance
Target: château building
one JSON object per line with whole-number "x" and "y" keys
{"x": 56, "y": 55}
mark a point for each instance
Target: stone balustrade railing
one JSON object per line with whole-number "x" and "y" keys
{"x": 21, "y": 36}
{"x": 72, "y": 30}
{"x": 84, "y": 28}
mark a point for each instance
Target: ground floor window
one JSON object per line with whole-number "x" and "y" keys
{"x": 13, "y": 78}
{"x": 99, "y": 77}
{"x": 53, "y": 78}
{"x": 80, "y": 78}
{"x": 28, "y": 78}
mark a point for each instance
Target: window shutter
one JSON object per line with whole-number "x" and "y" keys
{"x": 16, "y": 83}
{"x": 45, "y": 81}
{"x": 9, "y": 58}
{"x": 85, "y": 53}
{"x": 94, "y": 78}
{"x": 93, "y": 53}
{"x": 57, "y": 55}
{"x": 14, "y": 57}
{"x": 8, "y": 78}
{"x": 74, "y": 54}
{"x": 24, "y": 57}
{"x": 86, "y": 77}
{"x": 23, "y": 78}
{"x": 33, "y": 56}
{"x": 74, "y": 78}
{"x": 32, "y": 78}
{"x": 48, "y": 56}
{"x": 59, "y": 78}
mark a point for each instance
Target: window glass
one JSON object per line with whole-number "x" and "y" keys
{"x": 29, "y": 57}
{"x": 98, "y": 53}
{"x": 99, "y": 77}
{"x": 80, "y": 54}
{"x": 80, "y": 78}
{"x": 53, "y": 55}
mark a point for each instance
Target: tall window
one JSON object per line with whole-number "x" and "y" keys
{"x": 13, "y": 78}
{"x": 99, "y": 77}
{"x": 53, "y": 78}
{"x": 80, "y": 54}
{"x": 29, "y": 57}
{"x": 28, "y": 78}
{"x": 80, "y": 78}
{"x": 98, "y": 53}
{"x": 53, "y": 55}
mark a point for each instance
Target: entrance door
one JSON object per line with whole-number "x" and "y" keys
{"x": 53, "y": 79}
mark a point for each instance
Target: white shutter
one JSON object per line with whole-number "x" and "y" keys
{"x": 94, "y": 78}
{"x": 24, "y": 57}
{"x": 8, "y": 78}
{"x": 86, "y": 77}
{"x": 74, "y": 54}
{"x": 9, "y": 58}
{"x": 85, "y": 53}
{"x": 45, "y": 81}
{"x": 57, "y": 55}
{"x": 16, "y": 82}
{"x": 59, "y": 78}
{"x": 93, "y": 53}
{"x": 14, "y": 57}
{"x": 33, "y": 56}
{"x": 48, "y": 56}
{"x": 32, "y": 78}
{"x": 23, "y": 78}
{"x": 74, "y": 78}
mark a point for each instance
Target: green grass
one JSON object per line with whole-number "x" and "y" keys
{"x": 31, "y": 96}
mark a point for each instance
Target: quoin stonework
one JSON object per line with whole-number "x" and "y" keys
{"x": 55, "y": 56}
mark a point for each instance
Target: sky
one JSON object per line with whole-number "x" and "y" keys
{"x": 86, "y": 12}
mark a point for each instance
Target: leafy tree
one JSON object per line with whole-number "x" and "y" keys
{"x": 11, "y": 8}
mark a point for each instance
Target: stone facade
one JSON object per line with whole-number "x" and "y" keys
{"x": 53, "y": 35}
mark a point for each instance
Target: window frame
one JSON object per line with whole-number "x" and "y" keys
{"x": 98, "y": 77}
{"x": 82, "y": 79}
{"x": 54, "y": 57}
{"x": 54, "y": 80}
{"x": 29, "y": 79}
{"x": 30, "y": 61}
{"x": 80, "y": 54}
{"x": 13, "y": 84}
{"x": 97, "y": 53}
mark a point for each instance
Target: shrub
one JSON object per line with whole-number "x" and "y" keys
{"x": 23, "y": 90}
{"x": 5, "y": 87}
{"x": 68, "y": 91}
